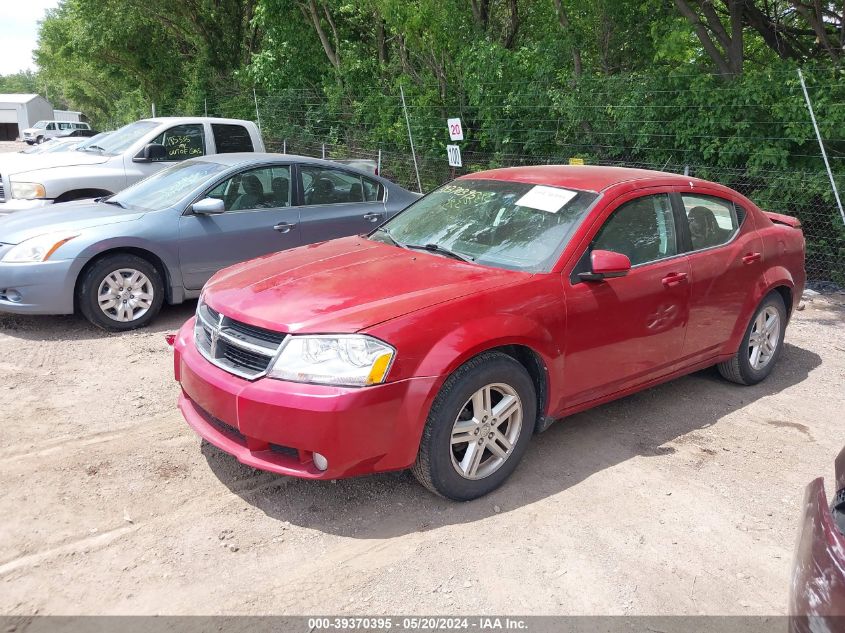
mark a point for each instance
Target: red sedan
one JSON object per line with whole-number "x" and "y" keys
{"x": 489, "y": 308}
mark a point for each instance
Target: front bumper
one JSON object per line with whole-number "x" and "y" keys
{"x": 277, "y": 426}
{"x": 44, "y": 288}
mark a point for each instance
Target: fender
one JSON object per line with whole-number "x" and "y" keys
{"x": 109, "y": 176}
{"x": 484, "y": 333}
{"x": 459, "y": 342}
{"x": 169, "y": 259}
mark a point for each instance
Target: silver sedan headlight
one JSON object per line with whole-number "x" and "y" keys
{"x": 37, "y": 249}
{"x": 351, "y": 360}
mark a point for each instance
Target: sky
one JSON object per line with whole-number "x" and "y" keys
{"x": 19, "y": 32}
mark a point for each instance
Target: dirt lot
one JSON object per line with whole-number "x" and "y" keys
{"x": 12, "y": 146}
{"x": 682, "y": 499}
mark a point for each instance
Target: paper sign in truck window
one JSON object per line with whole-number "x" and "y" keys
{"x": 549, "y": 199}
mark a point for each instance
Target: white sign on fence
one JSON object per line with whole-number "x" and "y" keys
{"x": 454, "y": 153}
{"x": 456, "y": 132}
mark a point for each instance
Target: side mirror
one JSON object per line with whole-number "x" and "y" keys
{"x": 606, "y": 265}
{"x": 150, "y": 153}
{"x": 208, "y": 206}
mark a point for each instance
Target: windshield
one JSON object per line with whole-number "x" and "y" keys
{"x": 121, "y": 139}
{"x": 512, "y": 225}
{"x": 167, "y": 187}
{"x": 94, "y": 140}
{"x": 41, "y": 125}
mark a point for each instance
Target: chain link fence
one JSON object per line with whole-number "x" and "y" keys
{"x": 761, "y": 143}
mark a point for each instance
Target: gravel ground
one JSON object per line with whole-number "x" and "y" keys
{"x": 683, "y": 499}
{"x": 12, "y": 146}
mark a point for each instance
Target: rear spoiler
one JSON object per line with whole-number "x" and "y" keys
{"x": 779, "y": 218}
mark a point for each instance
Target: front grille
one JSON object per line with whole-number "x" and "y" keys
{"x": 2, "y": 190}
{"x": 238, "y": 348}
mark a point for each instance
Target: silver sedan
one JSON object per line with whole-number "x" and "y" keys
{"x": 118, "y": 259}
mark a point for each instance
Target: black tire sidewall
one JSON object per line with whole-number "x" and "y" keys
{"x": 749, "y": 374}
{"x": 498, "y": 369}
{"x": 87, "y": 293}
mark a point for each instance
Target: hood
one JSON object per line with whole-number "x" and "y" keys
{"x": 344, "y": 285}
{"x": 16, "y": 163}
{"x": 66, "y": 216}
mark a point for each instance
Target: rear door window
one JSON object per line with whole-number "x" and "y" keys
{"x": 231, "y": 138}
{"x": 323, "y": 185}
{"x": 712, "y": 221}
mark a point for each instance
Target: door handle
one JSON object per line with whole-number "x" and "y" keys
{"x": 750, "y": 258}
{"x": 284, "y": 227}
{"x": 673, "y": 279}
{"x": 372, "y": 217}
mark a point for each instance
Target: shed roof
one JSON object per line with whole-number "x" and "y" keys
{"x": 17, "y": 98}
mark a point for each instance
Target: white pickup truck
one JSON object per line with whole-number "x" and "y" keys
{"x": 120, "y": 159}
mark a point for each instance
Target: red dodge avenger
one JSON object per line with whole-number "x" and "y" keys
{"x": 496, "y": 304}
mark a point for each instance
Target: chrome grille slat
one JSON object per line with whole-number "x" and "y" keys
{"x": 238, "y": 348}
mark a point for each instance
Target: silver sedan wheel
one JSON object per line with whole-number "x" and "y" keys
{"x": 486, "y": 431}
{"x": 125, "y": 295}
{"x": 764, "y": 339}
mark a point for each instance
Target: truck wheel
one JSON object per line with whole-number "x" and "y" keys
{"x": 121, "y": 292}
{"x": 478, "y": 428}
{"x": 39, "y": 140}
{"x": 761, "y": 346}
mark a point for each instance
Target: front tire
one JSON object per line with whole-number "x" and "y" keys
{"x": 478, "y": 428}
{"x": 761, "y": 346}
{"x": 121, "y": 292}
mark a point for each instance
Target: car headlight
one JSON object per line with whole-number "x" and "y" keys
{"x": 37, "y": 249}
{"x": 351, "y": 360}
{"x": 28, "y": 190}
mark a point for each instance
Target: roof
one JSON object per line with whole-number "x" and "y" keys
{"x": 243, "y": 158}
{"x": 583, "y": 177}
{"x": 17, "y": 98}
{"x": 190, "y": 119}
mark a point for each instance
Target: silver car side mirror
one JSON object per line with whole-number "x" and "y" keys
{"x": 208, "y": 206}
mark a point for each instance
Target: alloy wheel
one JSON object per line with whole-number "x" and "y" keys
{"x": 486, "y": 430}
{"x": 764, "y": 339}
{"x": 125, "y": 295}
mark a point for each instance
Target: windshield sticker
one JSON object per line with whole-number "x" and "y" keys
{"x": 550, "y": 199}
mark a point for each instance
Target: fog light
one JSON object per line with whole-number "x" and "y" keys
{"x": 320, "y": 462}
{"x": 13, "y": 295}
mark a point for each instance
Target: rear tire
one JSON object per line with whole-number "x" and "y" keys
{"x": 121, "y": 292}
{"x": 478, "y": 428}
{"x": 761, "y": 345}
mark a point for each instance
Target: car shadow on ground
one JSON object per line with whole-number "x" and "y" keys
{"x": 573, "y": 449}
{"x": 75, "y": 327}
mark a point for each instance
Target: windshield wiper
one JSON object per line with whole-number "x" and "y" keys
{"x": 437, "y": 248}
{"x": 109, "y": 201}
{"x": 85, "y": 149}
